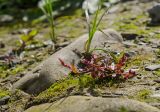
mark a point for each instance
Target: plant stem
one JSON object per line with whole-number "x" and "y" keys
{"x": 48, "y": 11}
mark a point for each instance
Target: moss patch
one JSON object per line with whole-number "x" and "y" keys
{"x": 139, "y": 61}
{"x": 61, "y": 87}
{"x": 123, "y": 109}
{"x": 4, "y": 93}
{"x": 157, "y": 72}
{"x": 12, "y": 71}
{"x": 143, "y": 94}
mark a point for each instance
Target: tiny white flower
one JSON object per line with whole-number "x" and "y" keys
{"x": 113, "y": 66}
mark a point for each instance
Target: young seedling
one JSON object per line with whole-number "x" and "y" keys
{"x": 92, "y": 28}
{"x": 46, "y": 7}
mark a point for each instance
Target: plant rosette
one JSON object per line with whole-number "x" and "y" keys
{"x": 101, "y": 67}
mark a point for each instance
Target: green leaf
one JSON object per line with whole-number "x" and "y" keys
{"x": 33, "y": 33}
{"x": 114, "y": 57}
{"x": 30, "y": 36}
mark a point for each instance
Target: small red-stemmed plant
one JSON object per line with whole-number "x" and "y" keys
{"x": 101, "y": 67}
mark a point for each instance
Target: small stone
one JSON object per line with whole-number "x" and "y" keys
{"x": 129, "y": 36}
{"x": 48, "y": 42}
{"x": 152, "y": 67}
{"x": 131, "y": 53}
{"x": 2, "y": 45}
{"x": 158, "y": 81}
{"x": 4, "y": 108}
{"x": 155, "y": 104}
{"x": 4, "y": 100}
{"x": 141, "y": 43}
{"x": 129, "y": 44}
{"x": 157, "y": 88}
{"x": 155, "y": 96}
{"x": 154, "y": 13}
{"x": 64, "y": 44}
{"x": 6, "y": 18}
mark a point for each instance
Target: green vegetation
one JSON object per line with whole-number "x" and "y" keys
{"x": 123, "y": 109}
{"x": 61, "y": 87}
{"x": 12, "y": 71}
{"x": 3, "y": 93}
{"x": 143, "y": 95}
{"x": 92, "y": 28}
{"x": 157, "y": 72}
{"x": 46, "y": 7}
{"x": 139, "y": 60}
{"x": 29, "y": 36}
{"x": 73, "y": 85}
{"x": 157, "y": 52}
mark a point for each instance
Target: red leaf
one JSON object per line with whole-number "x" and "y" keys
{"x": 65, "y": 65}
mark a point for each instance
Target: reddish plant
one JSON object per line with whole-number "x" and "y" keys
{"x": 101, "y": 67}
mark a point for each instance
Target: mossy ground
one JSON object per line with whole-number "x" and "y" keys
{"x": 61, "y": 87}
{"x": 4, "y": 93}
{"x": 13, "y": 71}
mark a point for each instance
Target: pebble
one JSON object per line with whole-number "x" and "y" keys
{"x": 3, "y": 108}
{"x": 64, "y": 44}
{"x": 158, "y": 81}
{"x": 129, "y": 36}
{"x": 152, "y": 67}
{"x": 131, "y": 53}
{"x": 154, "y": 13}
{"x": 155, "y": 95}
{"x": 6, "y": 18}
{"x": 4, "y": 100}
{"x": 2, "y": 45}
{"x": 129, "y": 44}
{"x": 157, "y": 88}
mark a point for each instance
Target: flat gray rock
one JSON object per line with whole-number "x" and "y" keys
{"x": 93, "y": 104}
{"x": 51, "y": 69}
{"x": 152, "y": 67}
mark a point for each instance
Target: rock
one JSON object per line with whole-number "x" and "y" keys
{"x": 155, "y": 95}
{"x": 131, "y": 53}
{"x": 129, "y": 44}
{"x": 6, "y": 18}
{"x": 154, "y": 43}
{"x": 4, "y": 100}
{"x": 51, "y": 69}
{"x": 152, "y": 67}
{"x": 155, "y": 104}
{"x": 130, "y": 36}
{"x": 4, "y": 108}
{"x": 154, "y": 13}
{"x": 64, "y": 44}
{"x": 2, "y": 45}
{"x": 48, "y": 43}
{"x": 94, "y": 104}
{"x": 158, "y": 80}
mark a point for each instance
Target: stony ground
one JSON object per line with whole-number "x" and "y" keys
{"x": 143, "y": 45}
